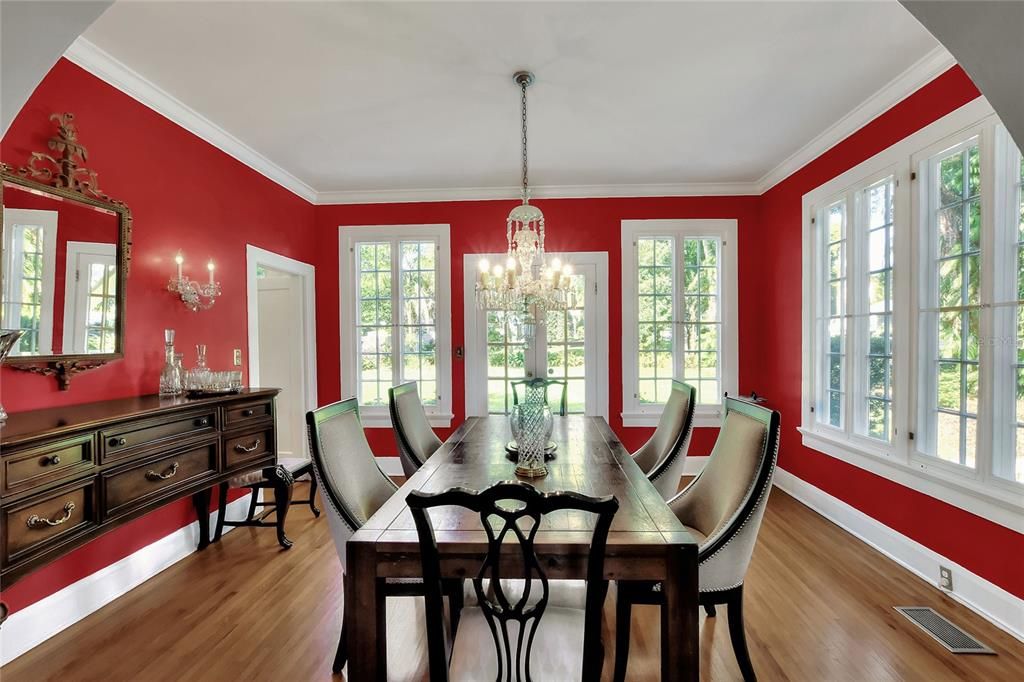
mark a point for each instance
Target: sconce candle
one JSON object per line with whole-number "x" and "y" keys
{"x": 194, "y": 295}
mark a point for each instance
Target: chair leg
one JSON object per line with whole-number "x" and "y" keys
{"x": 253, "y": 499}
{"x": 282, "y": 482}
{"x": 738, "y": 636}
{"x": 312, "y": 495}
{"x": 709, "y": 609}
{"x": 222, "y": 502}
{"x": 623, "y": 621}
{"x": 455, "y": 603}
{"x": 341, "y": 657}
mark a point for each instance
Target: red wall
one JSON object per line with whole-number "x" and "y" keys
{"x": 479, "y": 227}
{"x": 985, "y": 548}
{"x": 185, "y": 194}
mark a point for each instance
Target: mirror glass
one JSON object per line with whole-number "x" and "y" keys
{"x": 59, "y": 274}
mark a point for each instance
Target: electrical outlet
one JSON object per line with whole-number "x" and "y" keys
{"x": 238, "y": 357}
{"x": 945, "y": 578}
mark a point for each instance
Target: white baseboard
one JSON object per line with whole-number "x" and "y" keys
{"x": 37, "y": 622}
{"x": 981, "y": 596}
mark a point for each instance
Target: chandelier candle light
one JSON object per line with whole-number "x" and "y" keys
{"x": 194, "y": 295}
{"x": 526, "y": 286}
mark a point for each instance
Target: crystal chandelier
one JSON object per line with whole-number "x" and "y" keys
{"x": 526, "y": 286}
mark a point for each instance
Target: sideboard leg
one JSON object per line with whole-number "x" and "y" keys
{"x": 201, "y": 501}
{"x": 222, "y": 503}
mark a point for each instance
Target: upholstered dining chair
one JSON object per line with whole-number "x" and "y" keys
{"x": 416, "y": 440}
{"x": 663, "y": 456}
{"x": 530, "y": 637}
{"x": 722, "y": 508}
{"x": 354, "y": 488}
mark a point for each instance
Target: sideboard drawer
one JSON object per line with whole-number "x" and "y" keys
{"x": 241, "y": 449}
{"x": 48, "y": 518}
{"x": 127, "y": 439}
{"x": 239, "y": 414}
{"x": 129, "y": 488}
{"x": 41, "y": 464}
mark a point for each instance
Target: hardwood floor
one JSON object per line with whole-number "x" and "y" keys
{"x": 819, "y": 607}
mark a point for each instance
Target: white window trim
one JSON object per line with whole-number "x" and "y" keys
{"x": 475, "y": 333}
{"x": 48, "y": 221}
{"x": 635, "y": 413}
{"x": 76, "y": 292}
{"x": 379, "y": 416}
{"x": 995, "y": 499}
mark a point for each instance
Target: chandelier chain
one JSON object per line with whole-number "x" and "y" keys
{"x": 523, "y": 85}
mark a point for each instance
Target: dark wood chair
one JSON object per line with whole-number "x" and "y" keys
{"x": 563, "y": 402}
{"x": 354, "y": 488}
{"x": 510, "y": 613}
{"x": 416, "y": 440}
{"x": 279, "y": 478}
{"x": 722, "y": 508}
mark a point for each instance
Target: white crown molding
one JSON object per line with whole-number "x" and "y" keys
{"x": 105, "y": 67}
{"x": 684, "y": 189}
{"x": 923, "y": 71}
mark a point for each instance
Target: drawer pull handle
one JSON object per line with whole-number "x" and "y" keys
{"x": 202, "y": 422}
{"x": 117, "y": 441}
{"x": 52, "y": 460}
{"x": 154, "y": 476}
{"x": 241, "y": 448}
{"x": 248, "y": 413}
{"x": 37, "y": 521}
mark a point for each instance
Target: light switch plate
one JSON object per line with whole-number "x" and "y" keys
{"x": 238, "y": 357}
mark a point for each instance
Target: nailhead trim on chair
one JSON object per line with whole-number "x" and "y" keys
{"x": 764, "y": 491}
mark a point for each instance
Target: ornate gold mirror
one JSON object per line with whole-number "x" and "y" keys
{"x": 65, "y": 254}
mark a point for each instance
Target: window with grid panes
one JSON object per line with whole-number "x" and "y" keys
{"x": 399, "y": 301}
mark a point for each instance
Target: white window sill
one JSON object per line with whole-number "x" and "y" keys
{"x": 382, "y": 420}
{"x": 702, "y": 417}
{"x": 996, "y": 501}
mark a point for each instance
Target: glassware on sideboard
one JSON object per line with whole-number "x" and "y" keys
{"x": 170, "y": 376}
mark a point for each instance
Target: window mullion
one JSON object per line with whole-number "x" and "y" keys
{"x": 902, "y": 320}
{"x": 856, "y": 280}
{"x": 397, "y": 308}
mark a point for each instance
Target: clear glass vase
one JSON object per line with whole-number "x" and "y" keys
{"x": 531, "y": 422}
{"x": 170, "y": 376}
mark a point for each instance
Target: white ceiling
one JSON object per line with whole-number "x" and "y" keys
{"x": 356, "y": 98}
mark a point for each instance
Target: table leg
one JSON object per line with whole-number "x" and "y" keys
{"x": 365, "y": 615}
{"x": 201, "y": 501}
{"x": 680, "y": 625}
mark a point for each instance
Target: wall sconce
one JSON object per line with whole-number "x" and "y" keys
{"x": 194, "y": 295}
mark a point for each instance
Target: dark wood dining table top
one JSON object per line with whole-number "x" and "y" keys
{"x": 589, "y": 459}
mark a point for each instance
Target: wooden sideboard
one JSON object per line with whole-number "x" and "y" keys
{"x": 70, "y": 474}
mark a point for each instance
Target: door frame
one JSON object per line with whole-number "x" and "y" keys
{"x": 254, "y": 257}
{"x": 73, "y": 288}
{"x": 474, "y": 333}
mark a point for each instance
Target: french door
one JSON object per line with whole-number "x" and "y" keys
{"x": 570, "y": 346}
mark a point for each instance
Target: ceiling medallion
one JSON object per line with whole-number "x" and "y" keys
{"x": 526, "y": 286}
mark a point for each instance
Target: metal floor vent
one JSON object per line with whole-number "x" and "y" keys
{"x": 947, "y": 634}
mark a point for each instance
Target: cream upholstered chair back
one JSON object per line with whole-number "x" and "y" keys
{"x": 726, "y": 502}
{"x": 353, "y": 485}
{"x": 416, "y": 440}
{"x": 662, "y": 457}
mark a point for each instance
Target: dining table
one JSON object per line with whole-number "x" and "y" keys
{"x": 646, "y": 541}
